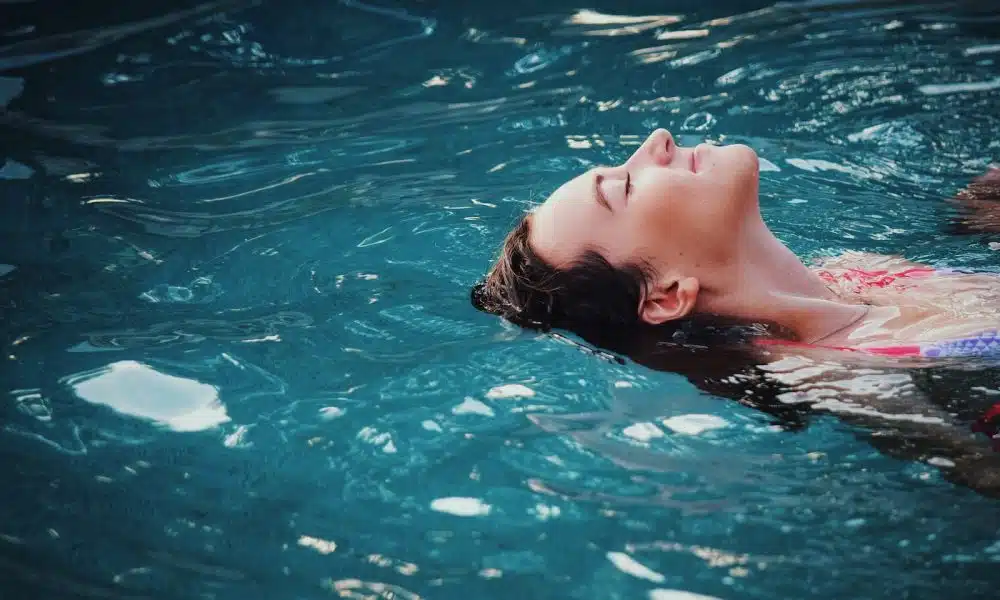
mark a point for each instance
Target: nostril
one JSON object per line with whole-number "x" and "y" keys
{"x": 658, "y": 147}
{"x": 668, "y": 148}
{"x": 668, "y": 142}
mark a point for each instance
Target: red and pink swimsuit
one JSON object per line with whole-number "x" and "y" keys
{"x": 864, "y": 280}
{"x": 983, "y": 344}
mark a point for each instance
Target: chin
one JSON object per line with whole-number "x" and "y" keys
{"x": 745, "y": 153}
{"x": 741, "y": 160}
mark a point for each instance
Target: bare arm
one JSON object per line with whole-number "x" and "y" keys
{"x": 978, "y": 205}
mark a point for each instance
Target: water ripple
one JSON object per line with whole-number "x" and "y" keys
{"x": 34, "y": 51}
{"x": 238, "y": 331}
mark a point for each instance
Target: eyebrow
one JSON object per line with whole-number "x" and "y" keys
{"x": 598, "y": 194}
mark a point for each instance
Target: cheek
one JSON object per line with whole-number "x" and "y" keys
{"x": 653, "y": 208}
{"x": 664, "y": 217}
{"x": 690, "y": 220}
{"x": 678, "y": 202}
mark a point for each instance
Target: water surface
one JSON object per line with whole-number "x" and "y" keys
{"x": 239, "y": 357}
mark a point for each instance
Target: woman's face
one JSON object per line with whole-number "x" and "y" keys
{"x": 680, "y": 209}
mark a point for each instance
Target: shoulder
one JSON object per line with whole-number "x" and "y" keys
{"x": 868, "y": 261}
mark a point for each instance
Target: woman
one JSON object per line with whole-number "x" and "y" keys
{"x": 676, "y": 233}
{"x": 669, "y": 251}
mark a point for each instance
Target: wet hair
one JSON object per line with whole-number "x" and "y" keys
{"x": 590, "y": 294}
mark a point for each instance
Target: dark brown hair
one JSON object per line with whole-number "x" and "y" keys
{"x": 589, "y": 294}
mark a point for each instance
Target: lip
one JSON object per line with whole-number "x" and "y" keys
{"x": 696, "y": 157}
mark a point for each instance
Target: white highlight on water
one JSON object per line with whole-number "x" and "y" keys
{"x": 318, "y": 544}
{"x": 511, "y": 390}
{"x": 694, "y": 424}
{"x": 237, "y": 438}
{"x": 953, "y": 88}
{"x": 765, "y": 166}
{"x": 544, "y": 512}
{"x": 626, "y": 564}
{"x": 643, "y": 432}
{"x": 331, "y": 412}
{"x": 664, "y": 594}
{"x": 984, "y": 49}
{"x": 461, "y": 506}
{"x": 815, "y": 165}
{"x": 139, "y": 390}
{"x": 471, "y": 406}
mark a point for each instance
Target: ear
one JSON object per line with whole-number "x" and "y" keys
{"x": 674, "y": 299}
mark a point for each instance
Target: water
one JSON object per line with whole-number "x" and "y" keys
{"x": 240, "y": 361}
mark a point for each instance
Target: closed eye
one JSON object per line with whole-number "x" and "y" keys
{"x": 599, "y": 193}
{"x": 602, "y": 199}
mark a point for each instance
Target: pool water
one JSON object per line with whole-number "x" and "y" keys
{"x": 239, "y": 358}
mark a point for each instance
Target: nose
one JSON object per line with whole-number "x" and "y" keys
{"x": 656, "y": 150}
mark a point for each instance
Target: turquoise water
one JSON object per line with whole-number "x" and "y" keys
{"x": 240, "y": 361}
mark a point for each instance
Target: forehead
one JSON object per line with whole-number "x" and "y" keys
{"x": 562, "y": 227}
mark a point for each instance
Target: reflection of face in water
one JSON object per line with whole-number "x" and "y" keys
{"x": 671, "y": 206}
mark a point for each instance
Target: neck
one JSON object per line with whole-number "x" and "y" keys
{"x": 766, "y": 282}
